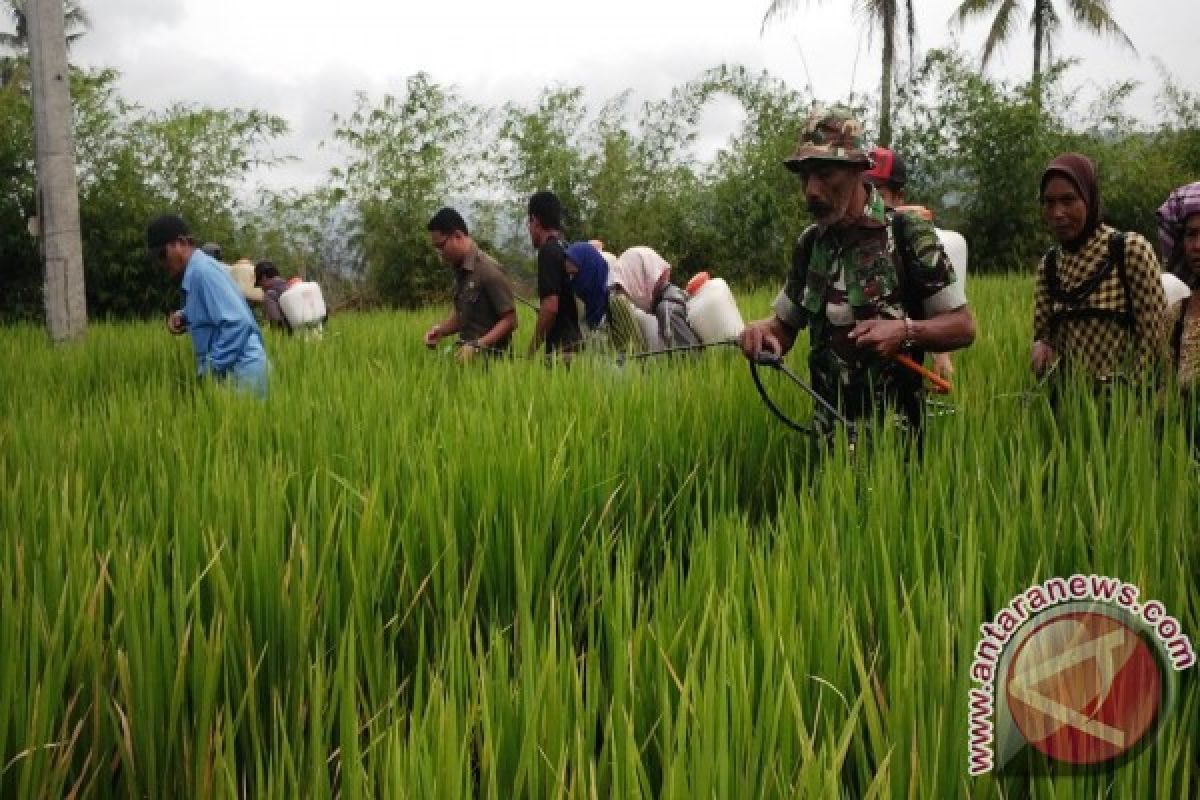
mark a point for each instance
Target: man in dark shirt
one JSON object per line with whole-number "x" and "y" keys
{"x": 558, "y": 317}
{"x": 267, "y": 278}
{"x": 484, "y": 313}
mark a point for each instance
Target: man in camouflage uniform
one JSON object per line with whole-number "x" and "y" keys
{"x": 868, "y": 283}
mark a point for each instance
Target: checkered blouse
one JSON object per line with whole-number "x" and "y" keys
{"x": 1104, "y": 347}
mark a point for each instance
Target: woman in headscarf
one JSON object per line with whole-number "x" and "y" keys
{"x": 642, "y": 275}
{"x": 588, "y": 272}
{"x": 645, "y": 277}
{"x": 1179, "y": 239}
{"x": 1098, "y": 304}
{"x": 1179, "y": 233}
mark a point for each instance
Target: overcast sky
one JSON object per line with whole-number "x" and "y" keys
{"x": 304, "y": 60}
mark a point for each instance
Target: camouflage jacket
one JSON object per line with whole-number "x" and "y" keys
{"x": 881, "y": 267}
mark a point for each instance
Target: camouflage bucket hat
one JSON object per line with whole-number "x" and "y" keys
{"x": 830, "y": 135}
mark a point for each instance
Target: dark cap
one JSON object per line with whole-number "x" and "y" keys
{"x": 164, "y": 230}
{"x": 830, "y": 135}
{"x": 889, "y": 169}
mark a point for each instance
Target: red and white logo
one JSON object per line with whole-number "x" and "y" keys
{"x": 1084, "y": 687}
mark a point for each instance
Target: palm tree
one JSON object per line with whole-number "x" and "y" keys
{"x": 14, "y": 67}
{"x": 1092, "y": 15}
{"x": 881, "y": 15}
{"x": 76, "y": 19}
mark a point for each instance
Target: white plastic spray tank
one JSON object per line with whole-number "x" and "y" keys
{"x": 303, "y": 305}
{"x": 242, "y": 273}
{"x": 712, "y": 310}
{"x": 956, "y": 250}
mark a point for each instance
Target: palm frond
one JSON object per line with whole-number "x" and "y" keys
{"x": 1095, "y": 16}
{"x": 76, "y": 22}
{"x": 777, "y": 12}
{"x": 1002, "y": 27}
{"x": 75, "y": 14}
{"x": 971, "y": 8}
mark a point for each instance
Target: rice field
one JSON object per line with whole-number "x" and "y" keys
{"x": 402, "y": 577}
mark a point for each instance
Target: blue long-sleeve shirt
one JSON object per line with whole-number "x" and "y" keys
{"x": 225, "y": 337}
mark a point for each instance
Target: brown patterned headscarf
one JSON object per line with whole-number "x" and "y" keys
{"x": 1081, "y": 172}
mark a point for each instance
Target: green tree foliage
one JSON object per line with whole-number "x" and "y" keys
{"x": 1179, "y": 111}
{"x": 626, "y": 179}
{"x": 132, "y": 165}
{"x": 633, "y": 180}
{"x": 304, "y": 233}
{"x": 1138, "y": 164}
{"x": 545, "y": 147}
{"x": 754, "y": 209}
{"x": 650, "y": 184}
{"x": 190, "y": 161}
{"x": 407, "y": 156}
{"x": 976, "y": 149}
{"x": 20, "y": 277}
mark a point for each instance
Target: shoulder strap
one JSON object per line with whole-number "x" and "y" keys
{"x": 804, "y": 247}
{"x": 907, "y": 256}
{"x": 908, "y": 384}
{"x": 1074, "y": 299}
{"x": 1116, "y": 255}
{"x": 1076, "y": 296}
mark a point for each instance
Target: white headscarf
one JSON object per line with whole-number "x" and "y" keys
{"x": 637, "y": 272}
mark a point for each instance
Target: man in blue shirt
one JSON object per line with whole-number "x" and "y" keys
{"x": 225, "y": 337}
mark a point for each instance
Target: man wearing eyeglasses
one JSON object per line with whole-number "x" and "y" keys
{"x": 484, "y": 314}
{"x": 226, "y": 339}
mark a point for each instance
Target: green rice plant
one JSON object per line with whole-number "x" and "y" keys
{"x": 405, "y": 577}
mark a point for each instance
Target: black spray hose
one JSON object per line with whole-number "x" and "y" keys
{"x": 525, "y": 302}
{"x": 666, "y": 351}
{"x": 766, "y": 358}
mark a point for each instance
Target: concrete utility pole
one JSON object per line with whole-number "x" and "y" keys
{"x": 58, "y": 191}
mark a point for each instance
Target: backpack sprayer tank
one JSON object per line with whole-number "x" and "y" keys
{"x": 1183, "y": 315}
{"x": 956, "y": 250}
{"x": 952, "y": 241}
{"x": 1176, "y": 291}
{"x": 303, "y": 305}
{"x": 242, "y": 273}
{"x": 712, "y": 310}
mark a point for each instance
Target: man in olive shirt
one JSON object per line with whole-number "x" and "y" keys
{"x": 484, "y": 314}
